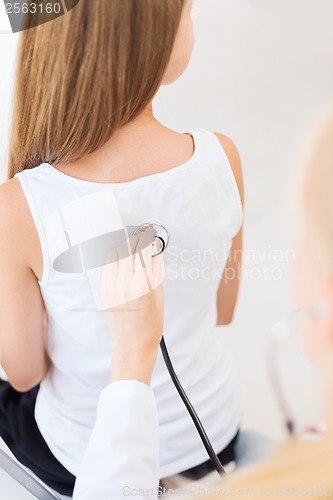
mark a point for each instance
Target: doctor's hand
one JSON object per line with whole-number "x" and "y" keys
{"x": 133, "y": 296}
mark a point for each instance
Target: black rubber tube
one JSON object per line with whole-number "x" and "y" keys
{"x": 196, "y": 420}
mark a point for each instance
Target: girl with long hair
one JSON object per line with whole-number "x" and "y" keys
{"x": 88, "y": 159}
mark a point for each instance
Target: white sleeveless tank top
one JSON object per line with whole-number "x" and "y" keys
{"x": 199, "y": 204}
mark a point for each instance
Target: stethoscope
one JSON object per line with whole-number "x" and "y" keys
{"x": 160, "y": 243}
{"x": 67, "y": 263}
{"x": 161, "y": 238}
{"x": 90, "y": 254}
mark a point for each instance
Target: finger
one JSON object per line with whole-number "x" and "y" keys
{"x": 133, "y": 285}
{"x": 133, "y": 241}
{"x": 146, "y": 238}
{"x": 146, "y": 263}
{"x": 126, "y": 256}
{"x": 142, "y": 266}
{"x": 158, "y": 270}
{"x": 140, "y": 263}
{"x": 144, "y": 247}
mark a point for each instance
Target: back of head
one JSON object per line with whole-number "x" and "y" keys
{"x": 85, "y": 74}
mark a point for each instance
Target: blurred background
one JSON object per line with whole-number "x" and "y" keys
{"x": 260, "y": 73}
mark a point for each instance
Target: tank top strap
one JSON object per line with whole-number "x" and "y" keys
{"x": 209, "y": 146}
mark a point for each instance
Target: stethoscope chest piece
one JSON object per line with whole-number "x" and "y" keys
{"x": 161, "y": 239}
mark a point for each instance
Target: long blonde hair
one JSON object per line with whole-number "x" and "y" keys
{"x": 85, "y": 74}
{"x": 297, "y": 470}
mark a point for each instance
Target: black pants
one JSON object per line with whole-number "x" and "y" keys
{"x": 20, "y": 432}
{"x": 225, "y": 456}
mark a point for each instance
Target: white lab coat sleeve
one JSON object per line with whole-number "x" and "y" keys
{"x": 122, "y": 458}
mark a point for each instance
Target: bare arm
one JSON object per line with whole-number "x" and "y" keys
{"x": 22, "y": 316}
{"x": 134, "y": 295}
{"x": 229, "y": 284}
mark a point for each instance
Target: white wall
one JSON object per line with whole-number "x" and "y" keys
{"x": 260, "y": 71}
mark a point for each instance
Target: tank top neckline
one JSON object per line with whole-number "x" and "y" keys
{"x": 139, "y": 180}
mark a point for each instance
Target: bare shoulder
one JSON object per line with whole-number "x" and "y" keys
{"x": 12, "y": 202}
{"x": 16, "y": 223}
{"x": 234, "y": 160}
